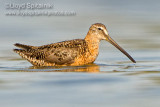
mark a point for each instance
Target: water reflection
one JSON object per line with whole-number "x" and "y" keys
{"x": 92, "y": 68}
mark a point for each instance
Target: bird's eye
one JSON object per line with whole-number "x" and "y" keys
{"x": 99, "y": 29}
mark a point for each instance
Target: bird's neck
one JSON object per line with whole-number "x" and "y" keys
{"x": 92, "y": 40}
{"x": 93, "y": 47}
{"x": 93, "y": 44}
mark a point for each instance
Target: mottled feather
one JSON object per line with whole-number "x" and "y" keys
{"x": 57, "y": 53}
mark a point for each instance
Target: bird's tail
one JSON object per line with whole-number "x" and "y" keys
{"x": 21, "y": 52}
{"x": 22, "y": 46}
{"x": 27, "y": 52}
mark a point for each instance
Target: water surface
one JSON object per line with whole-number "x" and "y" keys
{"x": 112, "y": 81}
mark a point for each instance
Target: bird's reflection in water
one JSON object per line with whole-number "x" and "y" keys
{"x": 87, "y": 68}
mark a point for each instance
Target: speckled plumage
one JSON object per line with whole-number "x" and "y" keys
{"x": 67, "y": 53}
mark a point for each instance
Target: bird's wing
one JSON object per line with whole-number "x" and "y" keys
{"x": 65, "y": 52}
{"x": 62, "y": 56}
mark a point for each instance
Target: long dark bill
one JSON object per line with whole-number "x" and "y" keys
{"x": 121, "y": 49}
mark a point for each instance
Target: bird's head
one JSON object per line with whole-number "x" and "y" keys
{"x": 99, "y": 31}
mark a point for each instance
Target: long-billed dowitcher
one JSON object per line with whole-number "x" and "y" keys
{"x": 69, "y": 53}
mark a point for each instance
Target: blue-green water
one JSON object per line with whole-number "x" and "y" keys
{"x": 113, "y": 81}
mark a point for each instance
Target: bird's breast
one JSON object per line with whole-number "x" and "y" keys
{"x": 87, "y": 57}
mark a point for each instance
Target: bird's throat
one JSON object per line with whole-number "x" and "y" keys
{"x": 93, "y": 47}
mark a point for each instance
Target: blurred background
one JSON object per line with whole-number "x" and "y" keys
{"x": 133, "y": 24}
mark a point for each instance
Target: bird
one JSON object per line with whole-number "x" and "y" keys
{"x": 75, "y": 52}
